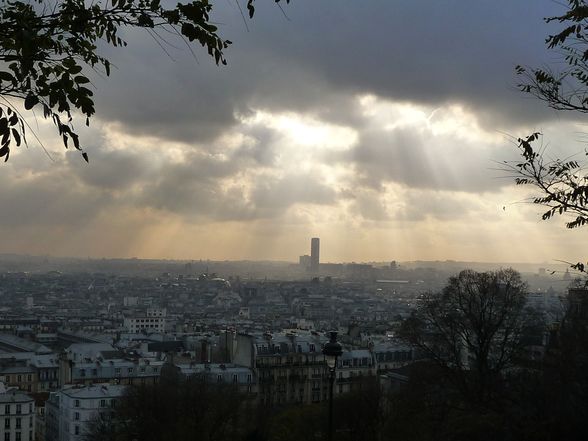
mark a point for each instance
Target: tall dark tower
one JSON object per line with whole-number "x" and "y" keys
{"x": 315, "y": 245}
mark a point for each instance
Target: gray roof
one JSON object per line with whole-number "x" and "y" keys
{"x": 23, "y": 344}
{"x": 15, "y": 397}
{"x": 95, "y": 391}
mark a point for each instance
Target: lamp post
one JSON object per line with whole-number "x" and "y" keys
{"x": 332, "y": 351}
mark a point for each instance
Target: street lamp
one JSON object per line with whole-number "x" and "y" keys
{"x": 332, "y": 351}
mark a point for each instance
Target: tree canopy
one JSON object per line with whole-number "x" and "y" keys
{"x": 472, "y": 328}
{"x": 48, "y": 47}
{"x": 567, "y": 88}
{"x": 562, "y": 183}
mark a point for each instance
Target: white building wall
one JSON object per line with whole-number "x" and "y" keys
{"x": 17, "y": 419}
{"x": 78, "y": 407}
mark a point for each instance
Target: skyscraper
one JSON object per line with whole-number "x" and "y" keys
{"x": 315, "y": 245}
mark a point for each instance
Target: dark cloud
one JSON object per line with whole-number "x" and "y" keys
{"x": 327, "y": 52}
{"x": 115, "y": 170}
{"x": 314, "y": 64}
{"x": 52, "y": 198}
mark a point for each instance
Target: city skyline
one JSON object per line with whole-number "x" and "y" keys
{"x": 386, "y": 147}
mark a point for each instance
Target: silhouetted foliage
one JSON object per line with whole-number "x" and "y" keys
{"x": 565, "y": 382}
{"x": 177, "y": 410}
{"x": 562, "y": 184}
{"x": 566, "y": 89}
{"x": 47, "y": 48}
{"x": 472, "y": 329}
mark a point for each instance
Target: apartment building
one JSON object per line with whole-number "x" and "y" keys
{"x": 17, "y": 416}
{"x": 70, "y": 412}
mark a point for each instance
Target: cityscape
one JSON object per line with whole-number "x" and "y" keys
{"x": 73, "y": 339}
{"x": 294, "y": 220}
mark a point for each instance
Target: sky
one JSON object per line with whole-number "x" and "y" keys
{"x": 378, "y": 126}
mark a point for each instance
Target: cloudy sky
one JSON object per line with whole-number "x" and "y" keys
{"x": 375, "y": 125}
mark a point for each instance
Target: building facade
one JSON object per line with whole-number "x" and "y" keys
{"x": 71, "y": 412}
{"x": 315, "y": 245}
{"x": 17, "y": 412}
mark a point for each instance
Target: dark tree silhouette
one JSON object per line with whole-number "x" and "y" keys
{"x": 562, "y": 184}
{"x": 177, "y": 410}
{"x": 47, "y": 48}
{"x": 567, "y": 88}
{"x": 471, "y": 329}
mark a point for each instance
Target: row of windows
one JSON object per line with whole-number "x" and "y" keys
{"x": 18, "y": 422}
{"x": 18, "y": 410}
{"x": 103, "y": 403}
{"x": 48, "y": 375}
{"x": 19, "y": 378}
{"x": 118, "y": 371}
{"x": 220, "y": 378}
{"x": 276, "y": 349}
{"x": 17, "y": 436}
{"x": 354, "y": 362}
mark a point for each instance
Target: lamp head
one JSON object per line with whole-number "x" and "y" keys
{"x": 332, "y": 350}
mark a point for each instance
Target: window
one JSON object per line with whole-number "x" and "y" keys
{"x": 19, "y": 378}
{"x": 235, "y": 379}
{"x": 8, "y": 378}
{"x": 6, "y": 436}
{"x": 29, "y": 377}
{"x": 130, "y": 370}
{"x": 18, "y": 423}
{"x": 17, "y": 438}
{"x": 18, "y": 409}
{"x": 142, "y": 369}
{"x": 77, "y": 416}
{"x": 117, "y": 371}
{"x": 77, "y": 430}
{"x": 94, "y": 372}
{"x": 77, "y": 403}
{"x": 155, "y": 370}
{"x": 30, "y": 421}
{"x": 102, "y": 403}
{"x": 7, "y": 423}
{"x": 219, "y": 378}
{"x": 82, "y": 372}
{"x": 7, "y": 409}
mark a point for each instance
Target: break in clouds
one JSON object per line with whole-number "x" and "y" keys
{"x": 355, "y": 119}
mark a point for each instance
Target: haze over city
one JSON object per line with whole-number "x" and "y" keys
{"x": 376, "y": 126}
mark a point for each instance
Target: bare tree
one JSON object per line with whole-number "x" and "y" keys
{"x": 472, "y": 329}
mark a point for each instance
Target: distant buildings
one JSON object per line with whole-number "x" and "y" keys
{"x": 315, "y": 244}
{"x": 304, "y": 262}
{"x": 152, "y": 321}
